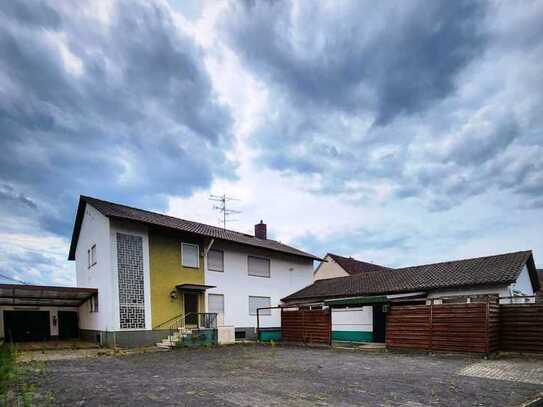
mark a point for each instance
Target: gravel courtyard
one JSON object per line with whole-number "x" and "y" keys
{"x": 277, "y": 376}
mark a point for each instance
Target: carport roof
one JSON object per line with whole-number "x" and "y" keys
{"x": 41, "y": 295}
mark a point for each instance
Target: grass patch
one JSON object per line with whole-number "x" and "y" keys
{"x": 8, "y": 367}
{"x": 16, "y": 381}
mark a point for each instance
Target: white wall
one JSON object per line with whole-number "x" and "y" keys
{"x": 523, "y": 284}
{"x": 95, "y": 230}
{"x": 53, "y": 313}
{"x": 502, "y": 291}
{"x": 288, "y": 274}
{"x": 358, "y": 319}
{"x": 329, "y": 269}
{"x": 135, "y": 229}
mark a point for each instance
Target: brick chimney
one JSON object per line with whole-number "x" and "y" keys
{"x": 260, "y": 230}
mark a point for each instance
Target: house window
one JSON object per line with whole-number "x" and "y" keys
{"x": 259, "y": 302}
{"x": 215, "y": 303}
{"x": 258, "y": 266}
{"x": 215, "y": 260}
{"x": 190, "y": 255}
{"x": 93, "y": 255}
{"x": 93, "y": 303}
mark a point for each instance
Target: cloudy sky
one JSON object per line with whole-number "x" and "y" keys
{"x": 396, "y": 132}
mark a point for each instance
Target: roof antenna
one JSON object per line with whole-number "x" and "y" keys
{"x": 221, "y": 207}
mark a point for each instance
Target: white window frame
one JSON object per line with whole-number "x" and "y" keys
{"x": 256, "y": 275}
{"x": 263, "y": 313}
{"x": 183, "y": 244}
{"x": 215, "y": 250}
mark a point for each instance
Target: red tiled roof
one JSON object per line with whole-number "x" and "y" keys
{"x": 353, "y": 266}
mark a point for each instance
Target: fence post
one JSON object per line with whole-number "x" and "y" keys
{"x": 303, "y": 326}
{"x": 431, "y": 325}
{"x": 329, "y": 326}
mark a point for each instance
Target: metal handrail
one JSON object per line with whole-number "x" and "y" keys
{"x": 169, "y": 320}
{"x": 203, "y": 320}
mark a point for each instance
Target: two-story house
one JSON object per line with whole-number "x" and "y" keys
{"x": 150, "y": 269}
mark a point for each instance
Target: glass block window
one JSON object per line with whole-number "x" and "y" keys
{"x": 215, "y": 260}
{"x": 215, "y": 303}
{"x": 131, "y": 286}
{"x": 190, "y": 255}
{"x": 258, "y": 266}
{"x": 259, "y": 302}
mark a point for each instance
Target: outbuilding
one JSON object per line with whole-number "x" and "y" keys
{"x": 359, "y": 301}
{"x": 37, "y": 313}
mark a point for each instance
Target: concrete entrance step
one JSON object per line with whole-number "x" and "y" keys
{"x": 360, "y": 346}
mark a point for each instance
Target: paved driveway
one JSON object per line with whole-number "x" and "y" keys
{"x": 279, "y": 376}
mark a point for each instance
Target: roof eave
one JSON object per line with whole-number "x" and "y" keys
{"x": 77, "y": 227}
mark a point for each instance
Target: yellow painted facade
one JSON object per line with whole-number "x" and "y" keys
{"x": 167, "y": 271}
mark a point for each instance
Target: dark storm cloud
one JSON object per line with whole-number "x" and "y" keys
{"x": 434, "y": 100}
{"x": 393, "y": 59}
{"x": 122, "y": 110}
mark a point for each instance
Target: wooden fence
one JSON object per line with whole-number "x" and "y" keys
{"x": 307, "y": 326}
{"x": 444, "y": 327}
{"x": 521, "y": 327}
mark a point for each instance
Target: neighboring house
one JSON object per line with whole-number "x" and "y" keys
{"x": 150, "y": 269}
{"x": 365, "y": 293}
{"x": 339, "y": 266}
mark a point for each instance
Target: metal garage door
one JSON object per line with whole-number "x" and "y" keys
{"x": 26, "y": 325}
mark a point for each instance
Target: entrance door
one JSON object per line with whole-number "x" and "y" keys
{"x": 26, "y": 325}
{"x": 68, "y": 326}
{"x": 191, "y": 308}
{"x": 379, "y": 323}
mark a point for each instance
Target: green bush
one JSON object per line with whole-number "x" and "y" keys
{"x": 8, "y": 368}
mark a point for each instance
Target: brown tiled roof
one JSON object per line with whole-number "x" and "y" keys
{"x": 113, "y": 210}
{"x": 353, "y": 266}
{"x": 502, "y": 269}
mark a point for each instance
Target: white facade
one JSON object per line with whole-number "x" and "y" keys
{"x": 287, "y": 274}
{"x": 97, "y": 229}
{"x": 329, "y": 269}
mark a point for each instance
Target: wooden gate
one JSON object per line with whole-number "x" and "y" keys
{"x": 307, "y": 326}
{"x": 444, "y": 327}
{"x": 521, "y": 327}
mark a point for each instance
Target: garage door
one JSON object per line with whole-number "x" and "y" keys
{"x": 26, "y": 325}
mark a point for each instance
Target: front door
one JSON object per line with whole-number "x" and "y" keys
{"x": 379, "y": 324}
{"x": 68, "y": 325}
{"x": 191, "y": 309}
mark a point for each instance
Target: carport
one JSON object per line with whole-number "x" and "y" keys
{"x": 37, "y": 313}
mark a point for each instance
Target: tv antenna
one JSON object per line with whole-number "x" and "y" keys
{"x": 222, "y": 207}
